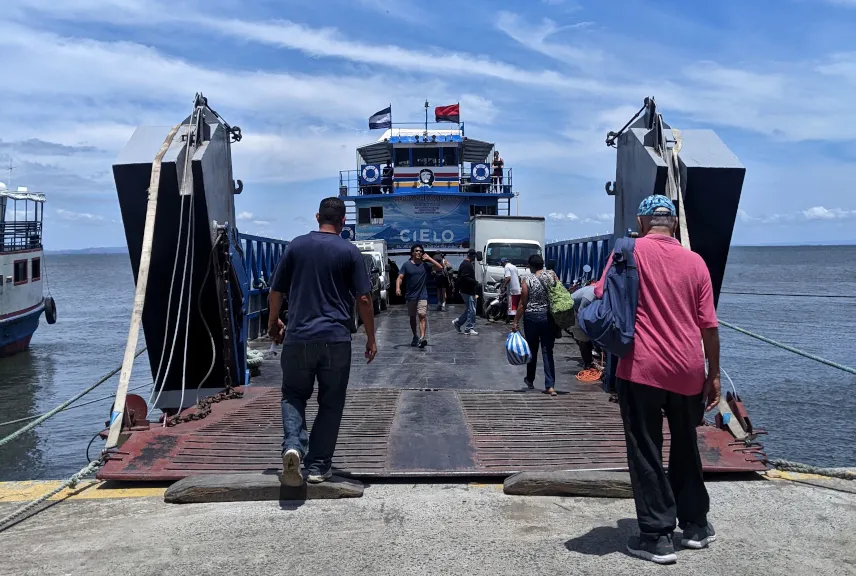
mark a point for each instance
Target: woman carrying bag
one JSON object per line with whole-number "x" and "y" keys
{"x": 538, "y": 328}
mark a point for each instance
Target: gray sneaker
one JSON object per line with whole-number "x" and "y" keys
{"x": 291, "y": 475}
{"x": 315, "y": 478}
{"x": 456, "y": 325}
{"x": 697, "y": 537}
{"x": 660, "y": 550}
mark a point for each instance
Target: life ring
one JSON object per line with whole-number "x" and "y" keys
{"x": 50, "y": 310}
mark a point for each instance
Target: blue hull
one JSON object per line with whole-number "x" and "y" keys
{"x": 15, "y": 334}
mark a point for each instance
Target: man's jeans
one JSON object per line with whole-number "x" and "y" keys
{"x": 467, "y": 320}
{"x": 301, "y": 365}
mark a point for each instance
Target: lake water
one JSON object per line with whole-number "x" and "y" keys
{"x": 807, "y": 408}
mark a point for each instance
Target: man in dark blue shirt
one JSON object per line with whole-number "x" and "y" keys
{"x": 320, "y": 275}
{"x": 415, "y": 273}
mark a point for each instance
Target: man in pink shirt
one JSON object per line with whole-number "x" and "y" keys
{"x": 664, "y": 372}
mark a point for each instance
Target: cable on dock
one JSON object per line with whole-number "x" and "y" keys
{"x": 788, "y": 466}
{"x": 65, "y": 404}
{"x": 70, "y": 482}
{"x": 783, "y": 346}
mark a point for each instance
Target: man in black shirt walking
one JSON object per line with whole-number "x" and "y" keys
{"x": 468, "y": 287}
{"x": 320, "y": 274}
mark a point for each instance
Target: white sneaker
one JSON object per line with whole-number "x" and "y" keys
{"x": 291, "y": 475}
{"x": 318, "y": 478}
{"x": 471, "y": 333}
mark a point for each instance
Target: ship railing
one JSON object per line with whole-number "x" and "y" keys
{"x": 261, "y": 256}
{"x": 20, "y": 235}
{"x": 350, "y": 184}
{"x": 569, "y": 257}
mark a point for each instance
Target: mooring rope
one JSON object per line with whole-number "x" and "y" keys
{"x": 784, "y": 346}
{"x": 65, "y": 404}
{"x": 70, "y": 482}
{"x": 788, "y": 466}
{"x": 81, "y": 405}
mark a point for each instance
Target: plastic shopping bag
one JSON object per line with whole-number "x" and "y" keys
{"x": 517, "y": 350}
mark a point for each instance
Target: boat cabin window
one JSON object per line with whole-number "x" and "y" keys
{"x": 20, "y": 272}
{"x": 36, "y": 269}
{"x": 373, "y": 215}
{"x": 476, "y": 210}
{"x": 426, "y": 156}
{"x": 449, "y": 156}
{"x": 402, "y": 156}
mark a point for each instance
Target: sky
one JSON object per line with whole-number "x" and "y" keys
{"x": 544, "y": 79}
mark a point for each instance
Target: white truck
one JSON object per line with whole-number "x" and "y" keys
{"x": 377, "y": 250}
{"x": 497, "y": 237}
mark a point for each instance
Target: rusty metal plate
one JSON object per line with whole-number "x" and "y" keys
{"x": 429, "y": 433}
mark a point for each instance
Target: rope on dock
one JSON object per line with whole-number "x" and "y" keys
{"x": 70, "y": 482}
{"x": 790, "y": 348}
{"x": 788, "y": 466}
{"x": 65, "y": 404}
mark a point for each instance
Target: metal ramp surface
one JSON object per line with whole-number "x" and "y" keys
{"x": 405, "y": 432}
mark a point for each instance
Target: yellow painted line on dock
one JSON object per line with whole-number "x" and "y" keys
{"x": 795, "y": 476}
{"x": 27, "y": 491}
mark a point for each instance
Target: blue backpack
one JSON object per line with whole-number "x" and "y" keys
{"x": 611, "y": 321}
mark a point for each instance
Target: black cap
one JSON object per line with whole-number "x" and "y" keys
{"x": 472, "y": 252}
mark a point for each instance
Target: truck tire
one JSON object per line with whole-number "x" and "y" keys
{"x": 376, "y": 306}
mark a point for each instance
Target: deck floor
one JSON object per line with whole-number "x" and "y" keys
{"x": 455, "y": 408}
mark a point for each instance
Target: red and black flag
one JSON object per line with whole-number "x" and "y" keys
{"x": 451, "y": 113}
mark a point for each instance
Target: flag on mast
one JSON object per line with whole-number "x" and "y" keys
{"x": 451, "y": 113}
{"x": 381, "y": 119}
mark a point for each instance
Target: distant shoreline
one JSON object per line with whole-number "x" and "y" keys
{"x": 87, "y": 251}
{"x": 123, "y": 250}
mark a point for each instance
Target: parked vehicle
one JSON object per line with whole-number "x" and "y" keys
{"x": 497, "y": 309}
{"x": 377, "y": 249}
{"x": 497, "y": 237}
{"x": 374, "y": 277}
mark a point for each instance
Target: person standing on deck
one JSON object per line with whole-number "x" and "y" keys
{"x": 537, "y": 327}
{"x": 414, "y": 273}
{"x": 320, "y": 274}
{"x": 441, "y": 278}
{"x": 497, "y": 165}
{"x": 511, "y": 282}
{"x": 469, "y": 287}
{"x": 664, "y": 372}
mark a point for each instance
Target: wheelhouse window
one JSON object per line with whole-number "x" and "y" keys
{"x": 364, "y": 216}
{"x": 402, "y": 157}
{"x": 449, "y": 156}
{"x": 488, "y": 210}
{"x": 426, "y": 156}
{"x": 36, "y": 269}
{"x": 20, "y": 272}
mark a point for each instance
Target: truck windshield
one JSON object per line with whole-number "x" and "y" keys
{"x": 517, "y": 254}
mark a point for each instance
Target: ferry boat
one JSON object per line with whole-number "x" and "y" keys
{"x": 440, "y": 179}
{"x": 22, "y": 298}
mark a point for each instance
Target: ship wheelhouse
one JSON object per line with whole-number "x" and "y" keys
{"x": 422, "y": 187}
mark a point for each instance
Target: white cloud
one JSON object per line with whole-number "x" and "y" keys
{"x": 821, "y": 213}
{"x": 78, "y": 216}
{"x": 261, "y": 222}
{"x": 561, "y": 217}
{"x": 244, "y": 216}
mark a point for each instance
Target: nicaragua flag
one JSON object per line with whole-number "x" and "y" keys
{"x": 381, "y": 119}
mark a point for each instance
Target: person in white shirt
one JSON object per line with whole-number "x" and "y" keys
{"x": 512, "y": 283}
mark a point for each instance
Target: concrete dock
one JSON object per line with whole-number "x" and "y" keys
{"x": 764, "y": 527}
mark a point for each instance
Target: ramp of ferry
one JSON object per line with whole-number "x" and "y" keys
{"x": 455, "y": 408}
